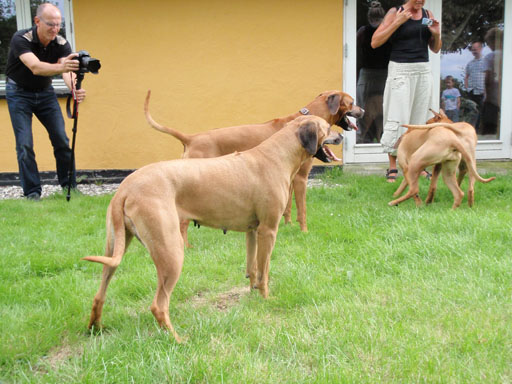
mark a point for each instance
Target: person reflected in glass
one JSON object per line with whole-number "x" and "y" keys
{"x": 450, "y": 99}
{"x": 493, "y": 67}
{"x": 474, "y": 81}
{"x": 409, "y": 91}
{"x": 372, "y": 70}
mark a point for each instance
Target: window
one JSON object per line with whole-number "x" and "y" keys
{"x": 473, "y": 50}
{"x": 19, "y": 14}
{"x": 463, "y": 23}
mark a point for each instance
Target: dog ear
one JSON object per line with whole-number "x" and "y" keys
{"x": 308, "y": 136}
{"x": 333, "y": 102}
{"x": 437, "y": 115}
{"x": 442, "y": 114}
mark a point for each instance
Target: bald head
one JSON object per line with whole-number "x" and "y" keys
{"x": 48, "y": 20}
{"x": 47, "y": 9}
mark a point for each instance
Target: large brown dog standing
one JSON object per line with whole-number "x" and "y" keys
{"x": 333, "y": 106}
{"x": 447, "y": 146}
{"x": 247, "y": 192}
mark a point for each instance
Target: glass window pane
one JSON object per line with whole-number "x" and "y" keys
{"x": 59, "y": 4}
{"x": 372, "y": 70}
{"x": 472, "y": 56}
{"x": 7, "y": 29}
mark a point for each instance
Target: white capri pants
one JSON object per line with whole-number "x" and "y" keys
{"x": 408, "y": 96}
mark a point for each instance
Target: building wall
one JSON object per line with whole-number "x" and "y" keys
{"x": 208, "y": 63}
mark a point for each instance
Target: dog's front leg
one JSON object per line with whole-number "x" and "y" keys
{"x": 288, "y": 211}
{"x": 251, "y": 265}
{"x": 184, "y": 232}
{"x": 266, "y": 240}
{"x": 300, "y": 185}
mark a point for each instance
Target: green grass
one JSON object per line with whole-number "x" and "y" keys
{"x": 372, "y": 294}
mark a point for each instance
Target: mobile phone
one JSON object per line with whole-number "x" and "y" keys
{"x": 426, "y": 21}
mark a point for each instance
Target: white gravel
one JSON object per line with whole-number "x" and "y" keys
{"x": 15, "y": 192}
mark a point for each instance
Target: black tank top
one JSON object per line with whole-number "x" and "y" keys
{"x": 409, "y": 43}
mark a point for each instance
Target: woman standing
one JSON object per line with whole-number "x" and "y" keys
{"x": 408, "y": 94}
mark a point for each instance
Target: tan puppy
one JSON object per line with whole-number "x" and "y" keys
{"x": 332, "y": 106}
{"x": 247, "y": 192}
{"x": 442, "y": 145}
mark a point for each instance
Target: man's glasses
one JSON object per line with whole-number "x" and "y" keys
{"x": 51, "y": 25}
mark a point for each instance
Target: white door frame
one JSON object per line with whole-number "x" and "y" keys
{"x": 372, "y": 153}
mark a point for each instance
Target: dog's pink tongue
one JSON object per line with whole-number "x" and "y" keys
{"x": 331, "y": 154}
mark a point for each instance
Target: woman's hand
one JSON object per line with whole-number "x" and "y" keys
{"x": 402, "y": 16}
{"x": 435, "y": 28}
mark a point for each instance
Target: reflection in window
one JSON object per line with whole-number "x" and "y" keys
{"x": 11, "y": 21}
{"x": 472, "y": 36}
{"x": 372, "y": 70}
{"x": 7, "y": 29}
{"x": 58, "y": 4}
{"x": 493, "y": 64}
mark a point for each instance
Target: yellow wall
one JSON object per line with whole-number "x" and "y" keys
{"x": 209, "y": 64}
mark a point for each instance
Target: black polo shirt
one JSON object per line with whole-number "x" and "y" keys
{"x": 25, "y": 41}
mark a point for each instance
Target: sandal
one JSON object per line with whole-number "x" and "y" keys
{"x": 391, "y": 175}
{"x": 426, "y": 174}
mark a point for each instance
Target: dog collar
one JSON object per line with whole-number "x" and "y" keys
{"x": 304, "y": 111}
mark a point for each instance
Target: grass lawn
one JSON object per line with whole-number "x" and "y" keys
{"x": 372, "y": 294}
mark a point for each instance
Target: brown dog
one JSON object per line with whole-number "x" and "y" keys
{"x": 443, "y": 144}
{"x": 332, "y": 106}
{"x": 247, "y": 192}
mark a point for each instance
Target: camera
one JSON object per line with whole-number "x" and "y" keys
{"x": 87, "y": 63}
{"x": 426, "y": 21}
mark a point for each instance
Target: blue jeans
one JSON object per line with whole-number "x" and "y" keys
{"x": 22, "y": 105}
{"x": 453, "y": 114}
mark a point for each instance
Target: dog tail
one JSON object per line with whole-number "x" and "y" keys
{"x": 452, "y": 126}
{"x": 184, "y": 138}
{"x": 115, "y": 227}
{"x": 470, "y": 162}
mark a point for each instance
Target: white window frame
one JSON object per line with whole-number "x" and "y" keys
{"x": 24, "y": 20}
{"x": 500, "y": 148}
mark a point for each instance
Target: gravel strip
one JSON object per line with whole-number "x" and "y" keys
{"x": 15, "y": 192}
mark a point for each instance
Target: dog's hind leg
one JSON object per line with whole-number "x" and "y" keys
{"x": 110, "y": 261}
{"x": 471, "y": 190}
{"x": 433, "y": 184}
{"x": 450, "y": 179}
{"x": 251, "y": 265}
{"x": 401, "y": 188}
{"x": 411, "y": 176}
{"x": 168, "y": 275}
{"x": 463, "y": 169}
{"x": 99, "y": 298}
{"x": 165, "y": 244}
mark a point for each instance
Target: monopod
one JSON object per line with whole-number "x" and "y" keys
{"x": 73, "y": 115}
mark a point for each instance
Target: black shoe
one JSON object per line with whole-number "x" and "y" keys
{"x": 34, "y": 196}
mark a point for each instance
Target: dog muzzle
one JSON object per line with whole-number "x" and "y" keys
{"x": 325, "y": 154}
{"x": 344, "y": 121}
